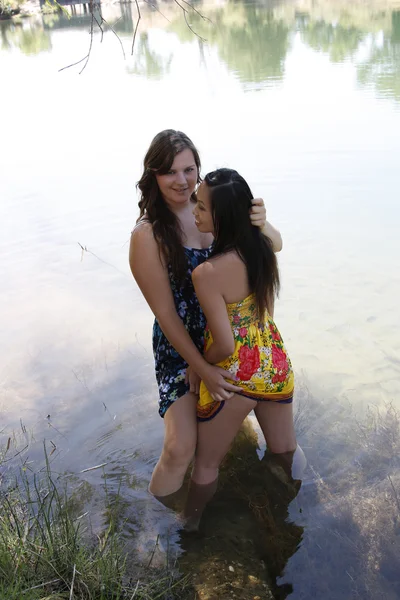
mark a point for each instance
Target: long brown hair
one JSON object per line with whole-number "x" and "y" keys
{"x": 166, "y": 226}
{"x": 230, "y": 205}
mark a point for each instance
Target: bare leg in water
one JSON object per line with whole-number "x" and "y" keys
{"x": 213, "y": 442}
{"x": 178, "y": 450}
{"x": 283, "y": 452}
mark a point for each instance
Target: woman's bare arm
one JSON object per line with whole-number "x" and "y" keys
{"x": 206, "y": 284}
{"x": 258, "y": 216}
{"x": 274, "y": 235}
{"x": 152, "y": 278}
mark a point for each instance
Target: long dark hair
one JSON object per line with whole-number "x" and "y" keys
{"x": 230, "y": 204}
{"x": 166, "y": 227}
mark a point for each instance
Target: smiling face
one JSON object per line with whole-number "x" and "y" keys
{"x": 202, "y": 211}
{"x": 179, "y": 183}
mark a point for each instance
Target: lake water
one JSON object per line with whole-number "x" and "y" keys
{"x": 303, "y": 99}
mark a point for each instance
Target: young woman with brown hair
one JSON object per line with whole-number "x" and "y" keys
{"x": 165, "y": 248}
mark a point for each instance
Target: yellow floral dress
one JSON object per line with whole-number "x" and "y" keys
{"x": 260, "y": 360}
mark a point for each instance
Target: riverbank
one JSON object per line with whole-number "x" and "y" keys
{"x": 52, "y": 543}
{"x": 48, "y": 546}
{"x": 25, "y": 8}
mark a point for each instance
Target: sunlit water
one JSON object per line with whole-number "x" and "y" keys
{"x": 303, "y": 100}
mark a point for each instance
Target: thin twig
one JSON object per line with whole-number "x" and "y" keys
{"x": 85, "y": 58}
{"x": 196, "y": 11}
{"x": 106, "y": 409}
{"x": 15, "y": 455}
{"x": 185, "y": 12}
{"x": 91, "y": 38}
{"x": 71, "y": 595}
{"x": 100, "y": 27}
{"x": 73, "y": 64}
{"x": 191, "y": 28}
{"x": 55, "y": 429}
{"x": 137, "y": 25}
{"x": 84, "y": 249}
{"x": 93, "y": 468}
{"x": 394, "y": 492}
{"x": 102, "y": 21}
{"x": 154, "y": 550}
{"x": 82, "y": 382}
{"x": 43, "y": 558}
{"x": 157, "y": 9}
{"x": 35, "y": 587}
{"x": 135, "y": 590}
{"x": 116, "y": 35}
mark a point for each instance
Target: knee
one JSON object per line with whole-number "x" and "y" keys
{"x": 209, "y": 462}
{"x": 178, "y": 453}
{"x": 205, "y": 473}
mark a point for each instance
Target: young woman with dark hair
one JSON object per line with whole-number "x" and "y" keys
{"x": 165, "y": 247}
{"x": 236, "y": 288}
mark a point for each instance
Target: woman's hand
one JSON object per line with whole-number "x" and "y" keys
{"x": 214, "y": 379}
{"x": 193, "y": 380}
{"x": 258, "y": 217}
{"x": 258, "y": 214}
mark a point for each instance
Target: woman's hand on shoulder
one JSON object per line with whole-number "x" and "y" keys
{"x": 258, "y": 217}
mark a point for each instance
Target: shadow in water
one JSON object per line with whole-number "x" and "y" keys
{"x": 246, "y": 537}
{"x": 335, "y": 536}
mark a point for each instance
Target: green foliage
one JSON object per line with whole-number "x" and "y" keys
{"x": 7, "y": 10}
{"x": 46, "y": 551}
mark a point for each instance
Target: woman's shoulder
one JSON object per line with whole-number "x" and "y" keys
{"x": 142, "y": 238}
{"x": 227, "y": 260}
{"x": 203, "y": 273}
{"x": 143, "y": 229}
{"x": 214, "y": 267}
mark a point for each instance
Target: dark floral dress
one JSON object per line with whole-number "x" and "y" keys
{"x": 170, "y": 366}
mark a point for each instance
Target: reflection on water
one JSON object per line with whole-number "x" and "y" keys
{"x": 148, "y": 63}
{"x": 382, "y": 68}
{"x": 30, "y": 37}
{"x": 252, "y": 40}
{"x": 298, "y": 96}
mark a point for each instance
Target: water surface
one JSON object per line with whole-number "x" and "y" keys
{"x": 304, "y": 100}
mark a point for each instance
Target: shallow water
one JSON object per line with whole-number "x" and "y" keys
{"x": 304, "y": 100}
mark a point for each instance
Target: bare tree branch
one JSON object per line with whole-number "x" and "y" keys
{"x": 157, "y": 9}
{"x": 137, "y": 25}
{"x": 115, "y": 33}
{"x": 196, "y": 11}
{"x": 185, "y": 13}
{"x": 191, "y": 28}
{"x": 102, "y": 22}
{"x": 86, "y": 58}
{"x": 91, "y": 37}
{"x": 100, "y": 27}
{"x": 73, "y": 64}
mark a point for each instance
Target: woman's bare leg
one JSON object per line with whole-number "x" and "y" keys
{"x": 179, "y": 446}
{"x": 213, "y": 442}
{"x": 276, "y": 422}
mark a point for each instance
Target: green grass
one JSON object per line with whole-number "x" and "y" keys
{"x": 47, "y": 552}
